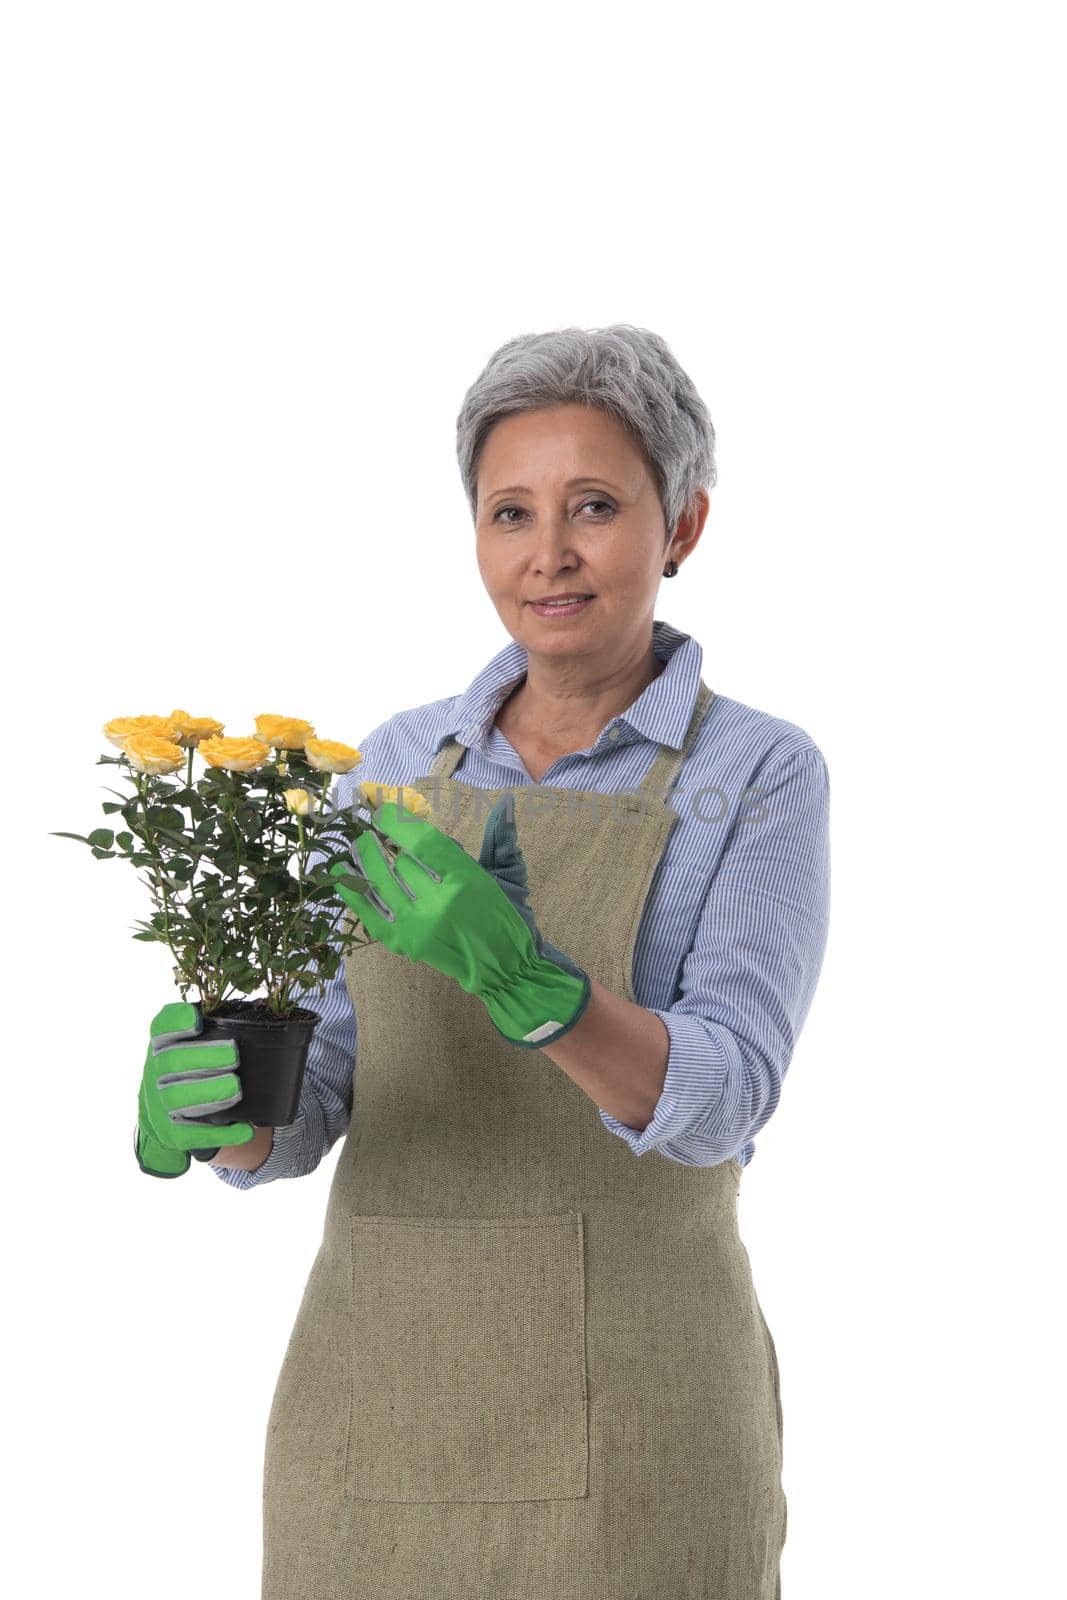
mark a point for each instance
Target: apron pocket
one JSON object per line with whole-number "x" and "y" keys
{"x": 468, "y": 1359}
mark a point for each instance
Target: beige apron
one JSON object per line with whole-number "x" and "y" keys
{"x": 528, "y": 1365}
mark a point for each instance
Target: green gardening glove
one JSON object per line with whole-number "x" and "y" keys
{"x": 182, "y": 1080}
{"x": 469, "y": 919}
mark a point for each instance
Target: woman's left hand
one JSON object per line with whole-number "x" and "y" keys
{"x": 471, "y": 920}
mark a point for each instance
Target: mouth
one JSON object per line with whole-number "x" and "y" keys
{"x": 562, "y": 605}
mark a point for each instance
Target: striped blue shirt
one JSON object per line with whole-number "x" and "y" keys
{"x": 732, "y": 937}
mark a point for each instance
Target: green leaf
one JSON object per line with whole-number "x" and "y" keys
{"x": 353, "y": 880}
{"x": 166, "y": 817}
{"x": 56, "y": 834}
{"x": 274, "y": 883}
{"x": 173, "y": 841}
{"x": 104, "y": 837}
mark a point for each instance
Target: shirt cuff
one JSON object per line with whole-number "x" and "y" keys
{"x": 279, "y": 1164}
{"x": 693, "y": 1086}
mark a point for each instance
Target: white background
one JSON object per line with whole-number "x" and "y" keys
{"x": 254, "y": 257}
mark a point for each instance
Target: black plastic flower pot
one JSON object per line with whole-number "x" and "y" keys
{"x": 272, "y": 1053}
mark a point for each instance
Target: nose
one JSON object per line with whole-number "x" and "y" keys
{"x": 553, "y": 544}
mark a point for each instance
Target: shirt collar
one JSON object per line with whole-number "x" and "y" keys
{"x": 661, "y": 711}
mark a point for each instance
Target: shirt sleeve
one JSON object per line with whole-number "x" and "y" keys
{"x": 326, "y": 1094}
{"x": 749, "y": 978}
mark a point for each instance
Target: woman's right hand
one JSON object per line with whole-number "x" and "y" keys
{"x": 183, "y": 1080}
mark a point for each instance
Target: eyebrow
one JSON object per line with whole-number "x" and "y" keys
{"x": 572, "y": 483}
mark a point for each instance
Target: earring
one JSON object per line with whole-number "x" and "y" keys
{"x": 669, "y": 571}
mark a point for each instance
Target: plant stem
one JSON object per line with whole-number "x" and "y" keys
{"x": 236, "y": 912}
{"x": 141, "y": 784}
{"x": 389, "y": 847}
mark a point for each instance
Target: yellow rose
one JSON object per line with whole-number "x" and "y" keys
{"x": 378, "y": 794}
{"x": 285, "y": 733}
{"x": 236, "y": 755}
{"x": 119, "y": 728}
{"x": 149, "y": 752}
{"x": 327, "y": 755}
{"x": 300, "y": 801}
{"x": 193, "y": 729}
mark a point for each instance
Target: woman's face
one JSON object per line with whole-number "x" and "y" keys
{"x": 567, "y": 504}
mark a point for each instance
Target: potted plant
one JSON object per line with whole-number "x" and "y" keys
{"x": 237, "y": 899}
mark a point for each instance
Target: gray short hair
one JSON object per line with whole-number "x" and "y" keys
{"x": 628, "y": 372}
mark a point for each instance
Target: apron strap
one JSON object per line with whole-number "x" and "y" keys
{"x": 446, "y": 758}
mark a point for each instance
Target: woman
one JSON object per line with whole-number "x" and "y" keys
{"x": 525, "y": 1362}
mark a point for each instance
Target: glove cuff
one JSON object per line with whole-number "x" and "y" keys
{"x": 153, "y": 1172}
{"x": 541, "y": 1004}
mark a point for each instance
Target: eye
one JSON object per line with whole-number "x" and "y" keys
{"x": 585, "y": 506}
